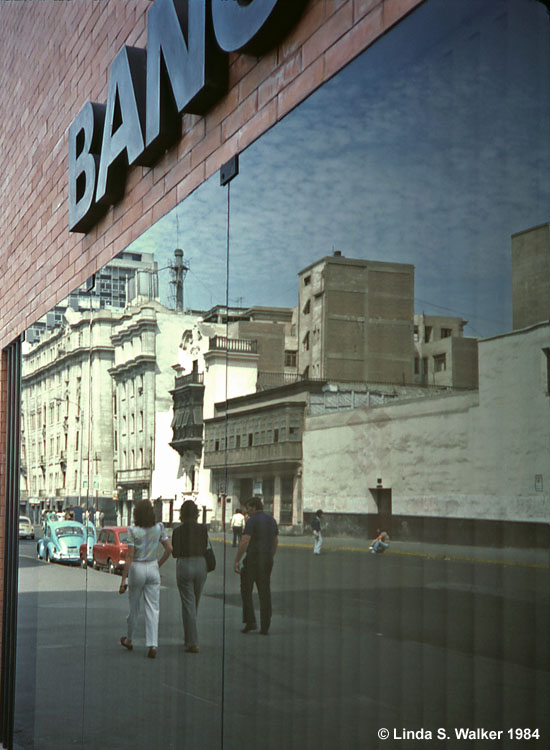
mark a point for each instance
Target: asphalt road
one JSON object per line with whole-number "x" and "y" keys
{"x": 359, "y": 644}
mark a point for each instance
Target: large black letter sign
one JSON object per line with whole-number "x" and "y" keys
{"x": 253, "y": 25}
{"x": 185, "y": 70}
{"x": 122, "y": 133}
{"x": 84, "y": 144}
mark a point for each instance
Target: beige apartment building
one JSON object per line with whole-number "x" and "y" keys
{"x": 444, "y": 357}
{"x": 355, "y": 320}
{"x": 531, "y": 276}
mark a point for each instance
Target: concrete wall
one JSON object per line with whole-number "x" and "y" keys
{"x": 472, "y": 455}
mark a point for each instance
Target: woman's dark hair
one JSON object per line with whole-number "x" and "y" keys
{"x": 144, "y": 514}
{"x": 189, "y": 511}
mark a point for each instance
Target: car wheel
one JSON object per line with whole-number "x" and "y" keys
{"x": 48, "y": 558}
{"x": 111, "y": 565}
{"x": 95, "y": 565}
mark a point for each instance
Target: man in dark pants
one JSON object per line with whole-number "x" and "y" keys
{"x": 259, "y": 542}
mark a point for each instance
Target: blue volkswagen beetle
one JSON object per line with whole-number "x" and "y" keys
{"x": 61, "y": 541}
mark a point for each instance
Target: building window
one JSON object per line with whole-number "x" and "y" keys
{"x": 416, "y": 365}
{"x": 307, "y": 308}
{"x": 307, "y": 280}
{"x": 446, "y": 333}
{"x": 290, "y": 358}
{"x": 415, "y": 333}
{"x": 440, "y": 363}
{"x": 305, "y": 342}
{"x": 427, "y": 334}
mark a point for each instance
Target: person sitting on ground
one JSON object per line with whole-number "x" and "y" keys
{"x": 381, "y": 543}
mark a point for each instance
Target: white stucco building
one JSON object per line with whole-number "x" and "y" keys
{"x": 428, "y": 465}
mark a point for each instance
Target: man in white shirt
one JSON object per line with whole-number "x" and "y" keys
{"x": 237, "y": 524}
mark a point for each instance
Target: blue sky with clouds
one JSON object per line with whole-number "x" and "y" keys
{"x": 431, "y": 148}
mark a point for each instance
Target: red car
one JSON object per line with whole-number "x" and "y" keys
{"x": 111, "y": 548}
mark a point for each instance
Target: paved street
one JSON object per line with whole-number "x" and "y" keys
{"x": 358, "y": 643}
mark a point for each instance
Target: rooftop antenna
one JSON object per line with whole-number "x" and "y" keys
{"x": 179, "y": 271}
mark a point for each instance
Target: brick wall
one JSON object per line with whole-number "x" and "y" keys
{"x": 56, "y": 56}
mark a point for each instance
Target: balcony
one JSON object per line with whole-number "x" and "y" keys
{"x": 224, "y": 344}
{"x": 131, "y": 477}
{"x": 193, "y": 378}
{"x": 187, "y": 438}
{"x": 272, "y": 453}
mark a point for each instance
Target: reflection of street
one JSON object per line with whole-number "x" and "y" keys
{"x": 387, "y": 641}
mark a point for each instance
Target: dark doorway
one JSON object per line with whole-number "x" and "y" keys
{"x": 247, "y": 490}
{"x": 383, "y": 503}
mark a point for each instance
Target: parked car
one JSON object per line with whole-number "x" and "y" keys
{"x": 26, "y": 528}
{"x": 87, "y": 548}
{"x": 111, "y": 548}
{"x": 61, "y": 541}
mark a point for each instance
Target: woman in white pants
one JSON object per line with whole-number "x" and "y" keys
{"x": 142, "y": 573}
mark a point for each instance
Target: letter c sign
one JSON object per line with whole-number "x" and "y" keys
{"x": 252, "y": 25}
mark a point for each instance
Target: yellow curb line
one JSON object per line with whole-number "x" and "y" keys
{"x": 430, "y": 555}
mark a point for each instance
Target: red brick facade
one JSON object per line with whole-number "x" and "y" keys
{"x": 57, "y": 56}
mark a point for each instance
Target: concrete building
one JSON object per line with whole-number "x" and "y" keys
{"x": 111, "y": 288}
{"x": 444, "y": 356}
{"x": 355, "y": 320}
{"x": 466, "y": 467}
{"x": 145, "y": 345}
{"x": 253, "y": 446}
{"x": 67, "y": 415}
{"x": 531, "y": 276}
{"x": 228, "y": 354}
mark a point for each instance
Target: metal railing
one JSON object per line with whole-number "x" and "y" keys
{"x": 222, "y": 343}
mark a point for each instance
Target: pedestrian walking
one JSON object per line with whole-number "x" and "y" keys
{"x": 317, "y": 535}
{"x": 259, "y": 544}
{"x": 237, "y": 525}
{"x": 189, "y": 543}
{"x": 142, "y": 573}
{"x": 381, "y": 543}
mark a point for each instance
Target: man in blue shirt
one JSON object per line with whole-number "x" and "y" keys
{"x": 259, "y": 542}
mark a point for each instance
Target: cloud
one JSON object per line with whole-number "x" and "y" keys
{"x": 431, "y": 148}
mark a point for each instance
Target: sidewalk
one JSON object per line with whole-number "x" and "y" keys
{"x": 529, "y": 558}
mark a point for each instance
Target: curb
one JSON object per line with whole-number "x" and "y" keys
{"x": 407, "y": 553}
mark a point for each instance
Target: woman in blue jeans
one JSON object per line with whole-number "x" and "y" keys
{"x": 189, "y": 543}
{"x": 142, "y": 573}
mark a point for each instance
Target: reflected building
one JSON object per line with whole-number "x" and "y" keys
{"x": 96, "y": 408}
{"x": 443, "y": 355}
{"x": 111, "y": 288}
{"x": 531, "y": 276}
{"x": 144, "y": 348}
{"x": 355, "y": 319}
{"x": 66, "y": 415}
{"x": 352, "y": 338}
{"x": 230, "y": 353}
